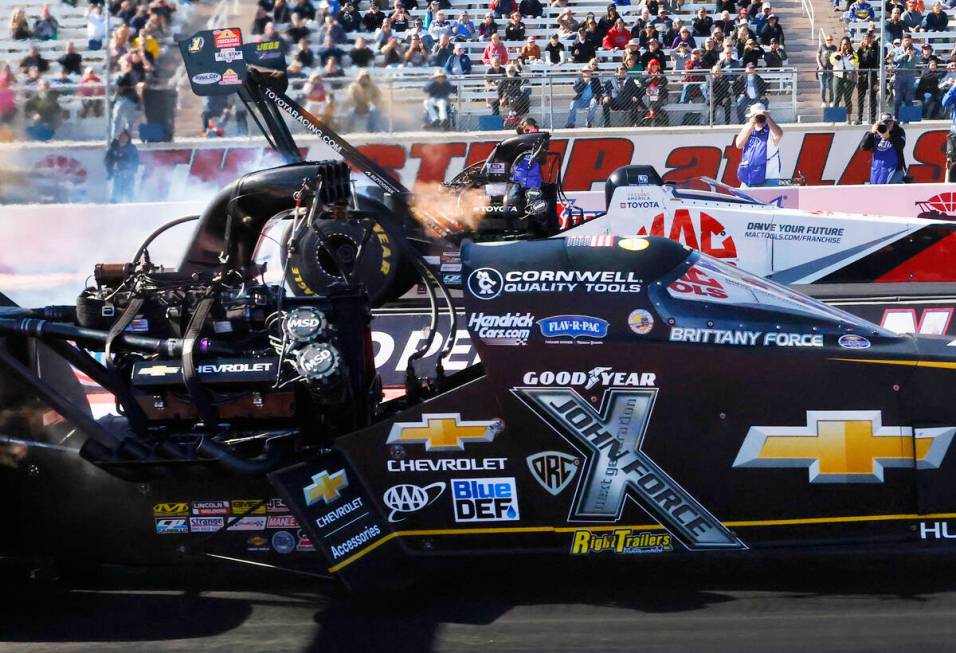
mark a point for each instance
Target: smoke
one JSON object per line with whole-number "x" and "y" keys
{"x": 448, "y": 210}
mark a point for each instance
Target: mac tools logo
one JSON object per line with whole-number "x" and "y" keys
{"x": 609, "y": 438}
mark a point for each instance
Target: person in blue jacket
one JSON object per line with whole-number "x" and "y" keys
{"x": 886, "y": 139}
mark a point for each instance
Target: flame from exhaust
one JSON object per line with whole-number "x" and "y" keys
{"x": 439, "y": 208}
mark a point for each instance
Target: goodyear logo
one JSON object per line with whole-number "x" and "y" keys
{"x": 325, "y": 487}
{"x": 844, "y": 446}
{"x": 248, "y": 507}
{"x": 621, "y": 541}
{"x": 176, "y": 509}
{"x": 443, "y": 432}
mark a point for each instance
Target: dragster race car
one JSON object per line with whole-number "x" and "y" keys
{"x": 634, "y": 397}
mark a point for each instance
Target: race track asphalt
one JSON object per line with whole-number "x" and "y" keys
{"x": 844, "y": 605}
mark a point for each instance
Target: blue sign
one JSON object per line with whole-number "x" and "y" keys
{"x": 573, "y": 326}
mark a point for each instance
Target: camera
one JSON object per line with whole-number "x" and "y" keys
{"x": 881, "y": 127}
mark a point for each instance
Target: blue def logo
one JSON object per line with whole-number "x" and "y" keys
{"x": 573, "y": 326}
{"x": 485, "y": 499}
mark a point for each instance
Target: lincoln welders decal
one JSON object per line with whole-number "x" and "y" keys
{"x": 616, "y": 467}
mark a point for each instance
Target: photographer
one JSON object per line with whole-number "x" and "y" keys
{"x": 868, "y": 58}
{"x": 759, "y": 138}
{"x": 886, "y": 139}
{"x": 905, "y": 60}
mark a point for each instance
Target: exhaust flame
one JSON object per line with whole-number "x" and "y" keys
{"x": 451, "y": 211}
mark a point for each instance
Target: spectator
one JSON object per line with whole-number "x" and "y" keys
{"x": 349, "y": 18}
{"x": 95, "y": 27}
{"x": 861, "y": 11}
{"x": 329, "y": 49}
{"x": 366, "y": 98}
{"x": 393, "y": 51}
{"x": 400, "y": 18}
{"x": 34, "y": 60}
{"x": 464, "y": 29}
{"x": 728, "y": 61}
{"x": 894, "y": 27}
{"x": 513, "y": 96}
{"x": 487, "y": 27}
{"x": 844, "y": 70}
{"x": 761, "y": 18}
{"x": 458, "y": 63}
{"x": 531, "y": 8}
{"x": 721, "y": 92}
{"x": 125, "y": 12}
{"x": 330, "y": 29}
{"x": 662, "y": 21}
{"x": 331, "y": 71}
{"x": 928, "y": 54}
{"x": 294, "y": 71}
{"x": 314, "y": 95}
{"x": 439, "y": 26}
{"x": 621, "y": 94}
{"x": 725, "y": 24}
{"x": 912, "y": 18}
{"x": 684, "y": 36}
{"x": 655, "y": 95}
{"x": 937, "y": 20}
{"x": 643, "y": 21}
{"x": 126, "y": 99}
{"x": 591, "y": 31}
{"x": 588, "y": 94}
{"x": 775, "y": 56}
{"x": 43, "y": 112}
{"x": 7, "y": 75}
{"x": 62, "y": 83}
{"x": 33, "y": 77}
{"x": 19, "y": 27}
{"x": 383, "y": 34}
{"x": 515, "y": 29}
{"x": 304, "y": 55}
{"x": 8, "y": 102}
{"x": 608, "y": 21}
{"x": 495, "y": 48}
{"x": 493, "y": 76}
{"x": 750, "y": 89}
{"x": 441, "y": 52}
{"x": 213, "y": 109}
{"x": 653, "y": 54}
{"x": 91, "y": 91}
{"x": 148, "y": 45}
{"x": 119, "y": 44}
{"x": 416, "y": 55}
{"x": 759, "y": 139}
{"x": 905, "y": 60}
{"x": 122, "y": 162}
{"x": 530, "y": 52}
{"x": 361, "y": 55}
{"x": 725, "y": 5}
{"x": 555, "y": 50}
{"x": 581, "y": 51}
{"x": 617, "y": 37}
{"x": 929, "y": 92}
{"x": 694, "y": 84}
{"x": 679, "y": 56}
{"x": 741, "y": 36}
{"x": 281, "y": 13}
{"x": 886, "y": 139}
{"x": 139, "y": 20}
{"x": 772, "y": 30}
{"x": 502, "y": 8}
{"x": 373, "y": 18}
{"x": 825, "y": 71}
{"x": 45, "y": 27}
{"x": 649, "y": 34}
{"x": 437, "y": 90}
{"x": 751, "y": 53}
{"x": 868, "y": 62}
{"x": 567, "y": 25}
{"x": 671, "y": 33}
{"x": 702, "y": 23}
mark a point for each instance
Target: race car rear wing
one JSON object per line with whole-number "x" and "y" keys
{"x": 218, "y": 63}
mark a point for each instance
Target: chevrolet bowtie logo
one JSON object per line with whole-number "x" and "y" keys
{"x": 844, "y": 446}
{"x": 158, "y": 370}
{"x": 325, "y": 487}
{"x": 443, "y": 432}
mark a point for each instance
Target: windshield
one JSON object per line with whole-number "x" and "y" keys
{"x": 707, "y": 189}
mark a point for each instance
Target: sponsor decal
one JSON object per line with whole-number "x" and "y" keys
{"x": 451, "y": 279}
{"x": 616, "y": 468}
{"x": 783, "y": 232}
{"x": 268, "y": 46}
{"x": 337, "y": 514}
{"x": 233, "y": 368}
{"x": 604, "y": 376}
{"x": 509, "y": 329}
{"x": 485, "y": 499}
{"x": 485, "y": 283}
{"x": 698, "y": 283}
{"x": 488, "y": 283}
{"x": 158, "y": 370}
{"x": 196, "y": 44}
{"x": 254, "y": 523}
{"x": 444, "y": 431}
{"x": 325, "y": 487}
{"x": 853, "y": 341}
{"x": 283, "y": 542}
{"x": 639, "y": 199}
{"x": 230, "y": 77}
{"x": 553, "y": 470}
{"x": 276, "y": 505}
{"x": 574, "y": 327}
{"x": 228, "y": 55}
{"x": 210, "y": 507}
{"x": 851, "y": 446}
{"x": 937, "y": 530}
{"x": 366, "y": 536}
{"x": 206, "y": 524}
{"x": 621, "y": 541}
{"x": 248, "y": 507}
{"x": 640, "y": 321}
{"x": 302, "y": 120}
{"x": 931, "y": 322}
{"x": 745, "y": 338}
{"x": 303, "y": 543}
{"x": 407, "y": 498}
{"x": 257, "y": 544}
{"x": 226, "y": 38}
{"x": 282, "y": 521}
{"x": 589, "y": 241}
{"x": 172, "y": 509}
{"x": 447, "y": 465}
{"x": 206, "y": 78}
{"x": 171, "y": 526}
{"x": 703, "y": 233}
{"x": 634, "y": 244}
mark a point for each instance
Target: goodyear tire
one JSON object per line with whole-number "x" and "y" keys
{"x": 321, "y": 253}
